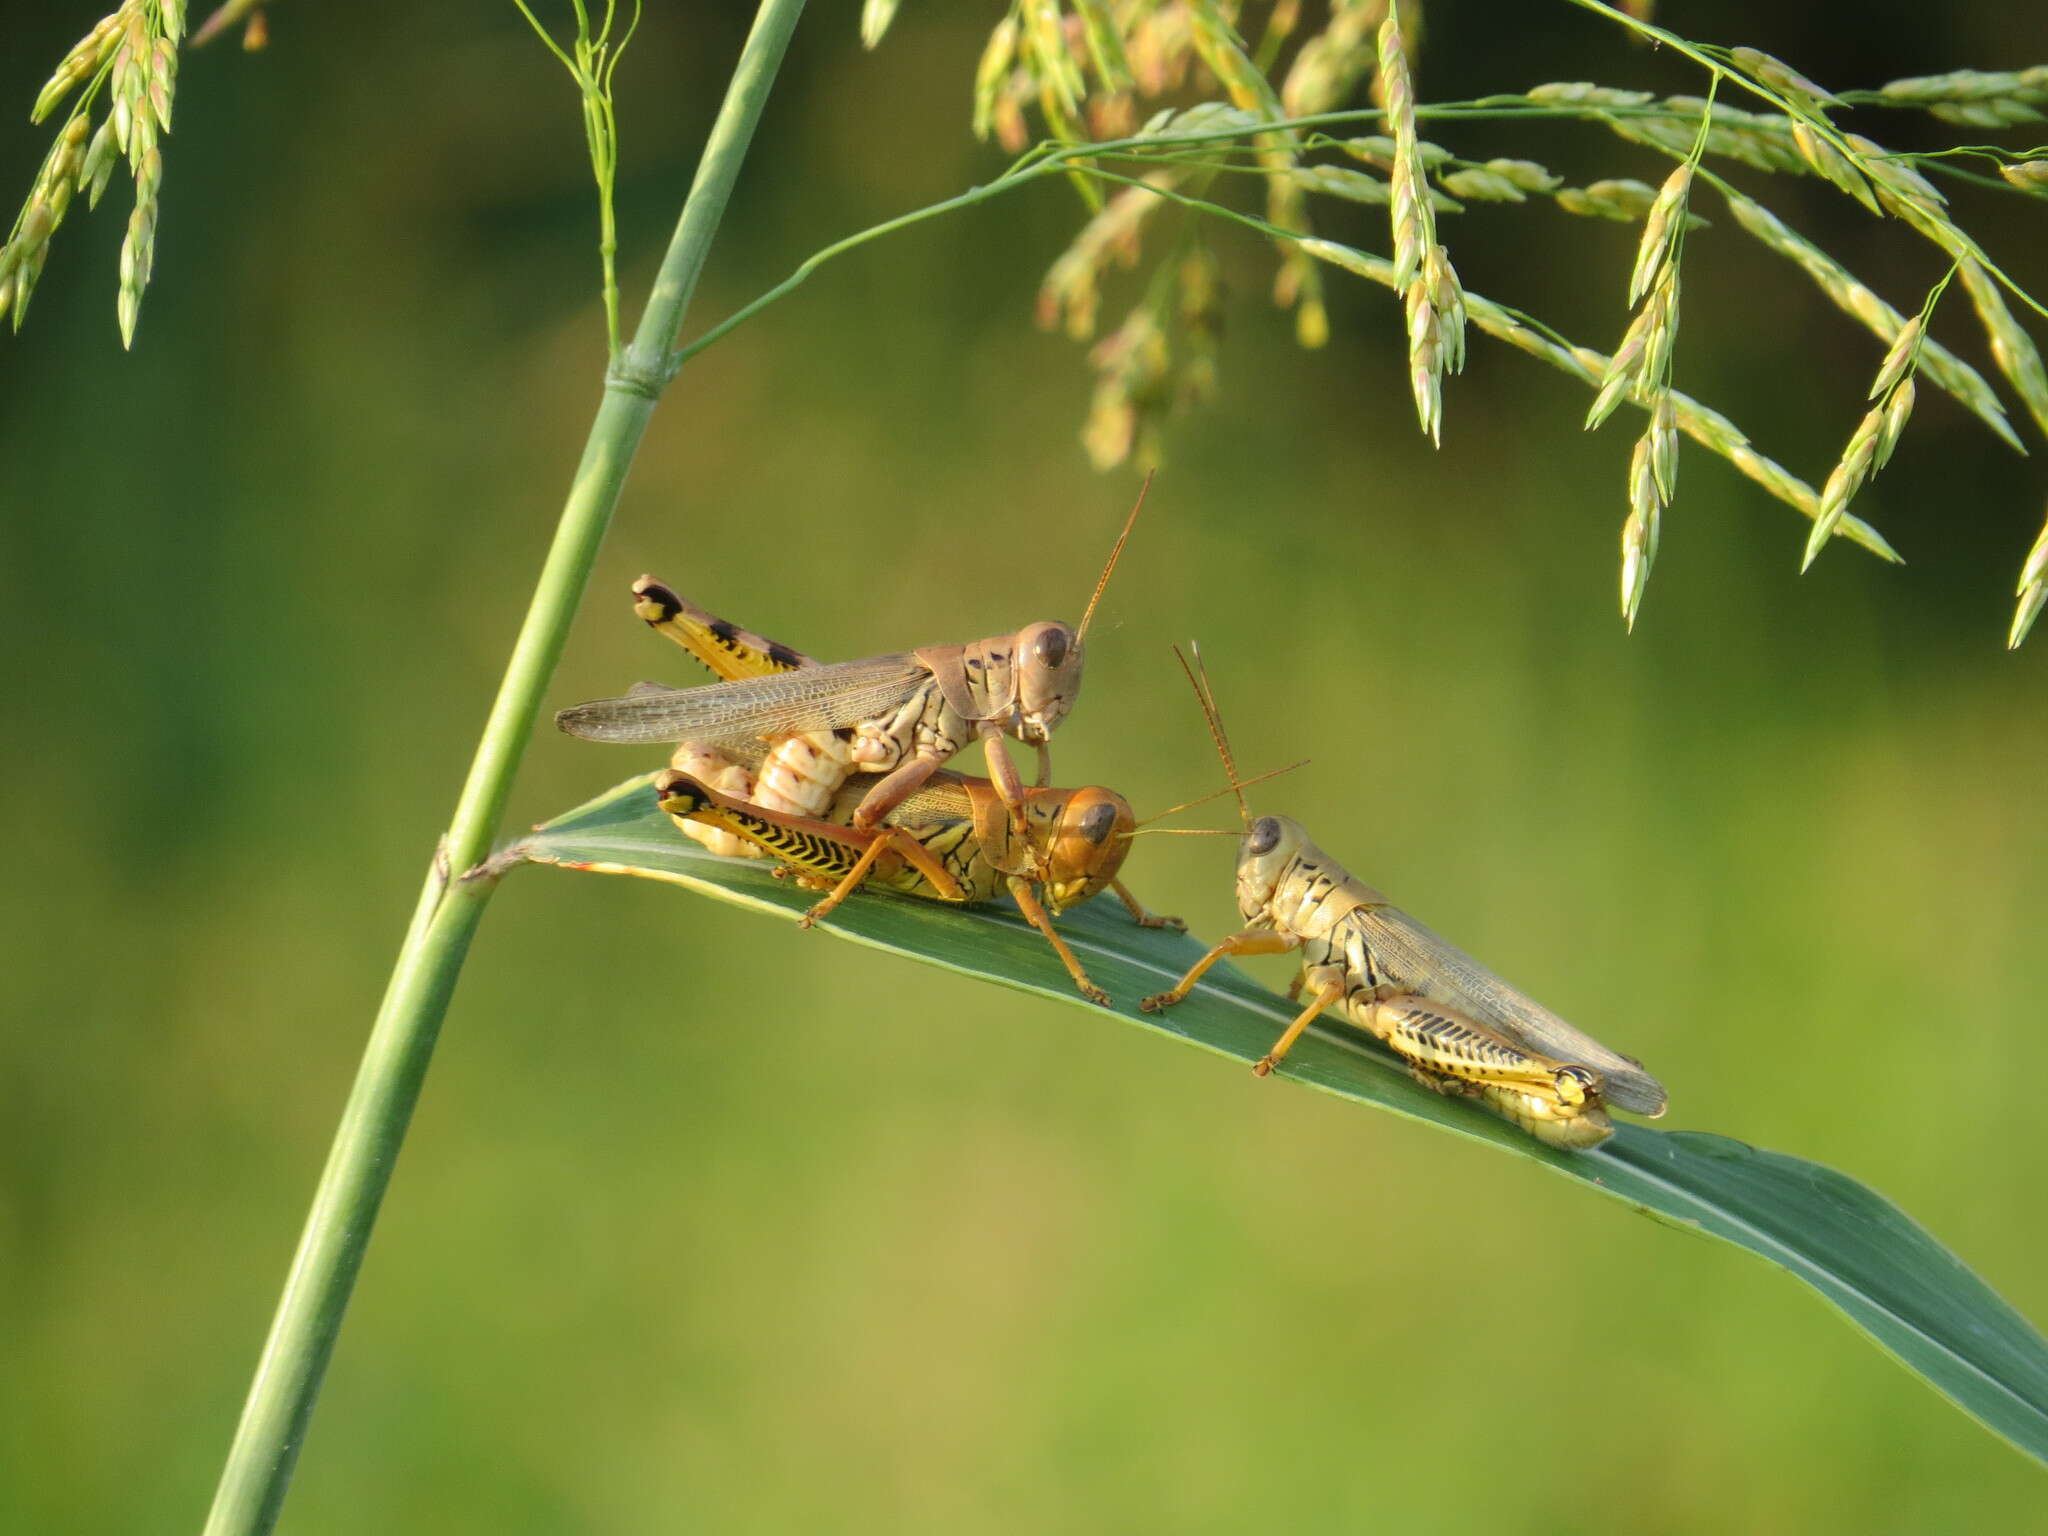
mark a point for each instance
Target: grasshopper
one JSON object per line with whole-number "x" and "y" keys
{"x": 900, "y": 716}
{"x": 949, "y": 840}
{"x": 1462, "y": 1031}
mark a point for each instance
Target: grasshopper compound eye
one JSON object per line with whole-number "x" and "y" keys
{"x": 1049, "y": 649}
{"x": 1099, "y": 822}
{"x": 1264, "y": 834}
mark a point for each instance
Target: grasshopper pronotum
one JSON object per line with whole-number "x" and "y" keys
{"x": 901, "y": 716}
{"x": 1462, "y": 1030}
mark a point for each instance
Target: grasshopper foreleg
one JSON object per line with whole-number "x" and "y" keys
{"x": 1028, "y": 904}
{"x": 1002, "y": 773}
{"x": 1138, "y": 913}
{"x": 895, "y": 787}
{"x": 1252, "y": 941}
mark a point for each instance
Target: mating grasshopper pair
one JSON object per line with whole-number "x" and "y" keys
{"x": 835, "y": 772}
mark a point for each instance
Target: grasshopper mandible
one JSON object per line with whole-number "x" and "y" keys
{"x": 951, "y": 839}
{"x": 901, "y": 716}
{"x": 1462, "y": 1030}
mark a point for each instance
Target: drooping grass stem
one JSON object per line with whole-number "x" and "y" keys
{"x": 379, "y": 1110}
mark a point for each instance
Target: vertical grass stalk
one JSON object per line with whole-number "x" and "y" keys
{"x": 373, "y": 1125}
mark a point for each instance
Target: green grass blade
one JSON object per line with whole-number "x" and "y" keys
{"x": 1866, "y": 1256}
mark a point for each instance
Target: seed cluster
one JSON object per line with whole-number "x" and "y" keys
{"x": 131, "y": 60}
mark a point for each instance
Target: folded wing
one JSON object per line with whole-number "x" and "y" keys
{"x": 1414, "y": 956}
{"x": 809, "y": 699}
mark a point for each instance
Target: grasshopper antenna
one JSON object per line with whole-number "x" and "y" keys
{"x": 1188, "y": 805}
{"x": 1206, "y": 697}
{"x": 1115, "y": 550}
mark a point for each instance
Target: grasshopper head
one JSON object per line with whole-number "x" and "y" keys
{"x": 1048, "y": 677}
{"x": 1086, "y": 846}
{"x": 1270, "y": 845}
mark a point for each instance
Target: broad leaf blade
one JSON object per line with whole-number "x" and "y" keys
{"x": 1861, "y": 1252}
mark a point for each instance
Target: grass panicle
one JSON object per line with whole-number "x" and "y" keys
{"x": 126, "y": 67}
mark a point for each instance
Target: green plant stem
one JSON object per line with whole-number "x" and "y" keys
{"x": 374, "y": 1123}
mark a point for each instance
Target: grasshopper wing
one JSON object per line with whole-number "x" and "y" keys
{"x": 1413, "y": 956}
{"x": 809, "y": 699}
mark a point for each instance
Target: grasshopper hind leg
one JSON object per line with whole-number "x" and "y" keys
{"x": 713, "y": 769}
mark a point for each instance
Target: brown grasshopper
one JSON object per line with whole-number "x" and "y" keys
{"x": 951, "y": 839}
{"x": 1462, "y": 1030}
{"x": 900, "y": 716}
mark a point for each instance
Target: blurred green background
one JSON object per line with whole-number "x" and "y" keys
{"x": 708, "y": 1223}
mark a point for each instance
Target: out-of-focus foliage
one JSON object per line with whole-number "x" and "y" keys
{"x": 967, "y": 1261}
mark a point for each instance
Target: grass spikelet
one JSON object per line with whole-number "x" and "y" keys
{"x": 991, "y": 74}
{"x": 1342, "y": 181}
{"x": 1640, "y": 532}
{"x": 2033, "y": 591}
{"x": 1652, "y": 482}
{"x": 1660, "y": 228}
{"x": 1784, "y": 79}
{"x": 1905, "y": 192}
{"x": 1899, "y": 357}
{"x": 1624, "y": 200}
{"x": 1583, "y": 93}
{"x": 2027, "y": 175}
{"x": 1853, "y": 298}
{"x": 1844, "y": 481}
{"x": 1643, "y": 358}
{"x": 85, "y": 60}
{"x": 2011, "y": 347}
{"x": 1896, "y": 411}
{"x": 1500, "y": 181}
{"x": 875, "y": 16}
{"x": 1831, "y": 163}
